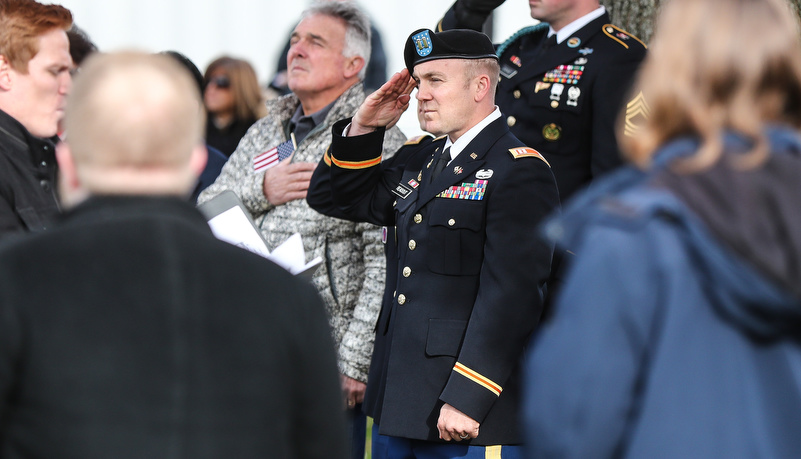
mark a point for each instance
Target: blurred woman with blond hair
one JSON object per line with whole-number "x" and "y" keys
{"x": 676, "y": 332}
{"x": 233, "y": 100}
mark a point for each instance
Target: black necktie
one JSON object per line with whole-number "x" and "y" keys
{"x": 441, "y": 162}
{"x": 550, "y": 42}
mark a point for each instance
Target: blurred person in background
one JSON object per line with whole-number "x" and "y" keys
{"x": 233, "y": 101}
{"x": 216, "y": 159}
{"x": 676, "y": 334}
{"x": 119, "y": 337}
{"x": 81, "y": 46}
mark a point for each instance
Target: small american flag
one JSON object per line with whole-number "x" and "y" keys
{"x": 273, "y": 156}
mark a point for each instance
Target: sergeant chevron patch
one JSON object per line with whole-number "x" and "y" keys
{"x": 637, "y": 112}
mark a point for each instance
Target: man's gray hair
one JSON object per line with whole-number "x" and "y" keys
{"x": 357, "y": 27}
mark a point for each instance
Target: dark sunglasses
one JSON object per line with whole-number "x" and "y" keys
{"x": 221, "y": 82}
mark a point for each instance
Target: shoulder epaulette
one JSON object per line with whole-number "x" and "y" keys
{"x": 526, "y": 152}
{"x": 440, "y": 137}
{"x": 524, "y": 31}
{"x": 418, "y": 139}
{"x": 619, "y": 35}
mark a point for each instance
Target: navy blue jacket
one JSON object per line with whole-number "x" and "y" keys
{"x": 676, "y": 334}
{"x": 214, "y": 164}
{"x": 470, "y": 274}
{"x": 570, "y": 119}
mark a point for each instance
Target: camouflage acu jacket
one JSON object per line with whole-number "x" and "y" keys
{"x": 351, "y": 278}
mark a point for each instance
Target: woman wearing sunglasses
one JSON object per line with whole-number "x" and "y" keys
{"x": 233, "y": 100}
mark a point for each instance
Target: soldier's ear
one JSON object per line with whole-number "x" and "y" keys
{"x": 482, "y": 87}
{"x": 353, "y": 66}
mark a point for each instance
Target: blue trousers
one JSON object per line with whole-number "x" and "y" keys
{"x": 386, "y": 447}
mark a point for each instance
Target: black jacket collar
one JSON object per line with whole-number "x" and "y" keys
{"x": 17, "y": 138}
{"x": 100, "y": 208}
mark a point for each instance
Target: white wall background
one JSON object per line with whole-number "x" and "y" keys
{"x": 256, "y": 30}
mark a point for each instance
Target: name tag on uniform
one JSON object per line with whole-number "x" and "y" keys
{"x": 507, "y": 71}
{"x": 402, "y": 191}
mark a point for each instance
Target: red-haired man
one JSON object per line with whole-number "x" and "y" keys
{"x": 34, "y": 81}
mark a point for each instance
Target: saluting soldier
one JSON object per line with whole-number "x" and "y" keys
{"x": 470, "y": 270}
{"x": 564, "y": 83}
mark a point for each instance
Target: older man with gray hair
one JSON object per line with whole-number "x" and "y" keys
{"x": 272, "y": 166}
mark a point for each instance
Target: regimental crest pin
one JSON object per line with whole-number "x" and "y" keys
{"x": 458, "y": 170}
{"x": 551, "y": 132}
{"x": 422, "y": 43}
{"x": 573, "y": 42}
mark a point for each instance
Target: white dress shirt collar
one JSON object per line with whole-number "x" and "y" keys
{"x": 567, "y": 31}
{"x": 467, "y": 137}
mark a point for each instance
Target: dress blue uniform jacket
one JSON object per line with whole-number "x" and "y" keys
{"x": 470, "y": 273}
{"x": 565, "y": 102}
{"x": 676, "y": 334}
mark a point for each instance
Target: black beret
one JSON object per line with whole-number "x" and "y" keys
{"x": 426, "y": 45}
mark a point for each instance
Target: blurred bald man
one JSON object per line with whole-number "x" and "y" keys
{"x": 129, "y": 330}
